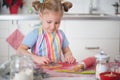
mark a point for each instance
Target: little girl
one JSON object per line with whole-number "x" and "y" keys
{"x": 48, "y": 43}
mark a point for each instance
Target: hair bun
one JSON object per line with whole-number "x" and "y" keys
{"x": 36, "y": 5}
{"x": 67, "y": 5}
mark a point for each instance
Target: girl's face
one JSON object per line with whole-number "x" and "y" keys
{"x": 50, "y": 20}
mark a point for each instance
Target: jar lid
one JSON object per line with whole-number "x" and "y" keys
{"x": 102, "y": 56}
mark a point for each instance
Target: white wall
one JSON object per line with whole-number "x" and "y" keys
{"x": 79, "y": 6}
{"x": 82, "y": 6}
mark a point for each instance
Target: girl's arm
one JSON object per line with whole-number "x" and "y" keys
{"x": 40, "y": 60}
{"x": 23, "y": 49}
{"x": 68, "y": 55}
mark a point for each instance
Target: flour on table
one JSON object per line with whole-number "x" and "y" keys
{"x": 24, "y": 75}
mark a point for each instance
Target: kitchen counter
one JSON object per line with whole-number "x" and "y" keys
{"x": 66, "y": 17}
{"x": 56, "y": 75}
{"x": 65, "y": 76}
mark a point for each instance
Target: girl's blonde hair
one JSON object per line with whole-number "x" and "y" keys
{"x": 53, "y": 5}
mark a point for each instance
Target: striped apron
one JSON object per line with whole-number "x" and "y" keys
{"x": 49, "y": 45}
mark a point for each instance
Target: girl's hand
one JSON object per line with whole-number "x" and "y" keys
{"x": 70, "y": 59}
{"x": 68, "y": 56}
{"x": 41, "y": 60}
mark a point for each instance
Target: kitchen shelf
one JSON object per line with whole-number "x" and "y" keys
{"x": 65, "y": 17}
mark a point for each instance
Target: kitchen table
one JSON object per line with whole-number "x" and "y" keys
{"x": 56, "y": 74}
{"x": 66, "y": 74}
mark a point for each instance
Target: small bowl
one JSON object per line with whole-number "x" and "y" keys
{"x": 109, "y": 76}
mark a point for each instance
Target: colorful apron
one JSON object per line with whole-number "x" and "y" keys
{"x": 49, "y": 45}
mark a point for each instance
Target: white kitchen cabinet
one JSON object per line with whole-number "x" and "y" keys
{"x": 83, "y": 48}
{"x": 87, "y": 38}
{"x": 4, "y": 50}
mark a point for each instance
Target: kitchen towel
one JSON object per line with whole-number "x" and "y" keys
{"x": 15, "y": 39}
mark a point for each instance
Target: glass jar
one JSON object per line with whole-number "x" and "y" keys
{"x": 102, "y": 65}
{"x": 21, "y": 67}
{"x": 116, "y": 64}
